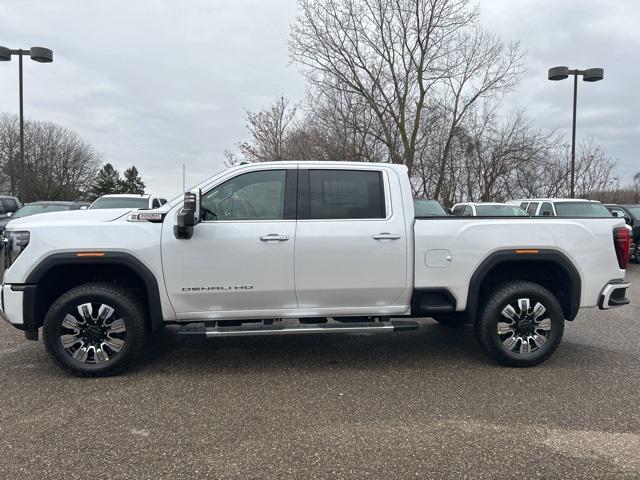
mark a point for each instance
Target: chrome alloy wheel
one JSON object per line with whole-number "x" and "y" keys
{"x": 93, "y": 338}
{"x": 524, "y": 329}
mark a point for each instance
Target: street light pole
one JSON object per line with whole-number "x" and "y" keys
{"x": 38, "y": 54}
{"x": 573, "y": 136}
{"x": 20, "y": 189}
{"x": 588, "y": 75}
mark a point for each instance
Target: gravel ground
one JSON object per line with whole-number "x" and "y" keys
{"x": 423, "y": 404}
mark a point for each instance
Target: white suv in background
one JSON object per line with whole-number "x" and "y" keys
{"x": 561, "y": 207}
{"x": 127, "y": 200}
{"x": 486, "y": 209}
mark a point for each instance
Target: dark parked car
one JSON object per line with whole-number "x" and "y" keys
{"x": 8, "y": 206}
{"x": 631, "y": 215}
{"x": 35, "y": 208}
{"x": 425, "y": 207}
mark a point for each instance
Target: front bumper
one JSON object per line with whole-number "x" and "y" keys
{"x": 614, "y": 295}
{"x": 11, "y": 306}
{"x": 17, "y": 306}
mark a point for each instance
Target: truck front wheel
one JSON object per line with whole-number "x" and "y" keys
{"x": 95, "y": 329}
{"x": 520, "y": 325}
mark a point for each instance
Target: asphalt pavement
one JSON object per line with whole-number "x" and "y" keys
{"x": 423, "y": 404}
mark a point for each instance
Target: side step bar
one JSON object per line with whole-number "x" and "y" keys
{"x": 394, "y": 326}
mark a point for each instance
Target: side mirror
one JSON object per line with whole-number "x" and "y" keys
{"x": 83, "y": 207}
{"x": 189, "y": 215}
{"x": 9, "y": 214}
{"x": 616, "y": 214}
{"x": 546, "y": 213}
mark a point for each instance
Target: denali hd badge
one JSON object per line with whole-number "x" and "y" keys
{"x": 216, "y": 289}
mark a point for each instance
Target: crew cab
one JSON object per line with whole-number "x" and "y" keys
{"x": 303, "y": 247}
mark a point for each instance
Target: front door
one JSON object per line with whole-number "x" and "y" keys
{"x": 239, "y": 261}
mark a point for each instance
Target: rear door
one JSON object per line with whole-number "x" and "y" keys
{"x": 351, "y": 243}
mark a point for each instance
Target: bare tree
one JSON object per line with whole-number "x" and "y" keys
{"x": 480, "y": 67}
{"x": 268, "y": 128}
{"x": 391, "y": 54}
{"x": 386, "y": 52}
{"x": 9, "y": 152}
{"x": 59, "y": 165}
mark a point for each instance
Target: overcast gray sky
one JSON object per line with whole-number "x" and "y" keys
{"x": 159, "y": 83}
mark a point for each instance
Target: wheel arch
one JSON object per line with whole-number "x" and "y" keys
{"x": 60, "y": 272}
{"x": 550, "y": 268}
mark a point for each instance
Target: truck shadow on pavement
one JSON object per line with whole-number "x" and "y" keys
{"x": 432, "y": 346}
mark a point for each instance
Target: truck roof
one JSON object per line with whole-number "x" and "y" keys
{"x": 126, "y": 195}
{"x": 323, "y": 163}
{"x": 554, "y": 200}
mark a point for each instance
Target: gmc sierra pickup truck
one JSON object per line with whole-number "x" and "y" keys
{"x": 310, "y": 247}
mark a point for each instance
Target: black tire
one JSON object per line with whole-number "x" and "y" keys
{"x": 119, "y": 337}
{"x": 451, "y": 320}
{"x": 509, "y": 347}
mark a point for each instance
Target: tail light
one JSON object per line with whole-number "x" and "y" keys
{"x": 622, "y": 242}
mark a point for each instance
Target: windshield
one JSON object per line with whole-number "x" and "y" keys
{"x": 36, "y": 208}
{"x": 581, "y": 209}
{"x": 428, "y": 208}
{"x": 499, "y": 211}
{"x": 120, "y": 202}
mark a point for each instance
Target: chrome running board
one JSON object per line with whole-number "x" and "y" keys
{"x": 246, "y": 331}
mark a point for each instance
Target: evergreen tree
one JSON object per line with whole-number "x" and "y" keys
{"x": 107, "y": 181}
{"x": 131, "y": 181}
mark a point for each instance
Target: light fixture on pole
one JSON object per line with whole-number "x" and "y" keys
{"x": 38, "y": 54}
{"x": 588, "y": 75}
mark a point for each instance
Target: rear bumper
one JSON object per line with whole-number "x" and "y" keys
{"x": 614, "y": 294}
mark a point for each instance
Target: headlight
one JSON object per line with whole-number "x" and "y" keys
{"x": 14, "y": 244}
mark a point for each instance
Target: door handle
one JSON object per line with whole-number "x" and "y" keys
{"x": 386, "y": 236}
{"x": 274, "y": 237}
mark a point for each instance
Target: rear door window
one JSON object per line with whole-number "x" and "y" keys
{"x": 531, "y": 209}
{"x": 346, "y": 194}
{"x": 546, "y": 210}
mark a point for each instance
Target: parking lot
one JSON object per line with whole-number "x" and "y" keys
{"x": 423, "y": 404}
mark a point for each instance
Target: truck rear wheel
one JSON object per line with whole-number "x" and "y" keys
{"x": 520, "y": 325}
{"x": 95, "y": 329}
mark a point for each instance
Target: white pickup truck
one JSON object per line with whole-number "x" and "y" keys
{"x": 309, "y": 247}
